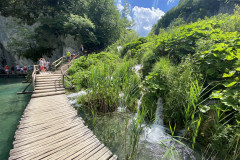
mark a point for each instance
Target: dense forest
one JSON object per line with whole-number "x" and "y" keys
{"x": 190, "y": 60}
{"x": 95, "y": 24}
{"x": 192, "y": 10}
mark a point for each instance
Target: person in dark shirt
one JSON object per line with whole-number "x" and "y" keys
{"x": 12, "y": 70}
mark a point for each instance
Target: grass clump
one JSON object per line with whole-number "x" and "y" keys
{"x": 105, "y": 82}
{"x": 80, "y": 71}
{"x": 171, "y": 82}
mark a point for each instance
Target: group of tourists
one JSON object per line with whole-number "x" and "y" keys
{"x": 70, "y": 56}
{"x": 44, "y": 65}
{"x": 17, "y": 69}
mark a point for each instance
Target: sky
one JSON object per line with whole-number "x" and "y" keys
{"x": 146, "y": 12}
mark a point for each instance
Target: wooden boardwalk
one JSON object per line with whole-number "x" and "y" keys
{"x": 51, "y": 129}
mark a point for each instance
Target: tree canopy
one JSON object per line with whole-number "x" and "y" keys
{"x": 93, "y": 23}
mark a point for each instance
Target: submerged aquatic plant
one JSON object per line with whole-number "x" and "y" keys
{"x": 135, "y": 133}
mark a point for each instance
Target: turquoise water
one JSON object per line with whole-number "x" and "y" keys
{"x": 12, "y": 106}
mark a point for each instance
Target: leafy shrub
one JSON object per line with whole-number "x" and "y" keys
{"x": 105, "y": 82}
{"x": 171, "y": 82}
{"x": 80, "y": 71}
{"x": 132, "y": 47}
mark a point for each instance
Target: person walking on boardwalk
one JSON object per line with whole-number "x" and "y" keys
{"x": 68, "y": 54}
{"x": 41, "y": 64}
{"x": 21, "y": 70}
{"x": 18, "y": 68}
{"x": 44, "y": 64}
{"x": 25, "y": 69}
{"x": 82, "y": 49}
{"x": 6, "y": 69}
{"x": 86, "y": 54}
{"x": 47, "y": 65}
{"x": 13, "y": 70}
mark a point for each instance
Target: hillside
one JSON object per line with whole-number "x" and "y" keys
{"x": 195, "y": 70}
{"x": 192, "y": 10}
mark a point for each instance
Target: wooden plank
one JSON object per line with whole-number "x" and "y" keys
{"x": 41, "y": 84}
{"x": 28, "y": 130}
{"x": 86, "y": 150}
{"x": 52, "y": 145}
{"x": 48, "y": 79}
{"x": 47, "y": 94}
{"x": 44, "y": 132}
{"x": 69, "y": 147}
{"x": 98, "y": 154}
{"x": 90, "y": 152}
{"x": 48, "y": 141}
{"x": 49, "y": 75}
{"x": 42, "y": 137}
{"x": 48, "y": 87}
{"x": 114, "y": 157}
{"x": 107, "y": 155}
{"x": 36, "y": 120}
{"x": 55, "y": 147}
{"x": 76, "y": 150}
{"x": 47, "y": 84}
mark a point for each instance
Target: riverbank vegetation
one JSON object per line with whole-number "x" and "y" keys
{"x": 194, "y": 68}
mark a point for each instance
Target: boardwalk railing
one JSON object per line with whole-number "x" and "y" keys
{"x": 58, "y": 62}
{"x": 36, "y": 69}
{"x": 65, "y": 77}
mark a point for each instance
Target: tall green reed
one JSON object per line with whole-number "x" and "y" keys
{"x": 192, "y": 118}
{"x": 135, "y": 133}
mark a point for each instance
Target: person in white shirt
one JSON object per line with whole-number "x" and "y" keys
{"x": 47, "y": 65}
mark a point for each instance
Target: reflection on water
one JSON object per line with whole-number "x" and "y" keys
{"x": 11, "y": 109}
{"x": 111, "y": 129}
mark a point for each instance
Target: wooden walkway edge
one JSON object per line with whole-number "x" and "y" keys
{"x": 51, "y": 129}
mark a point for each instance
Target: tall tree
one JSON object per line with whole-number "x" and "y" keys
{"x": 126, "y": 15}
{"x": 94, "y": 23}
{"x": 108, "y": 25}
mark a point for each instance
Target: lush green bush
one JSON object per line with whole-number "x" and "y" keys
{"x": 80, "y": 71}
{"x": 171, "y": 82}
{"x": 105, "y": 80}
{"x": 132, "y": 47}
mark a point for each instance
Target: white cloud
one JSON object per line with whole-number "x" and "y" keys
{"x": 145, "y": 18}
{"x": 170, "y": 1}
{"x": 119, "y": 5}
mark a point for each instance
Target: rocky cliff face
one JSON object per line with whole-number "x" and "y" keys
{"x": 8, "y": 30}
{"x": 11, "y": 28}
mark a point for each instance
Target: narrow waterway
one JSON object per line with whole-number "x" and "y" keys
{"x": 12, "y": 106}
{"x": 114, "y": 129}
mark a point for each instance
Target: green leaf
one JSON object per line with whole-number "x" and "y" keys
{"x": 231, "y": 73}
{"x": 204, "y": 109}
{"x": 229, "y": 84}
{"x": 216, "y": 94}
{"x": 230, "y": 57}
{"x": 238, "y": 69}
